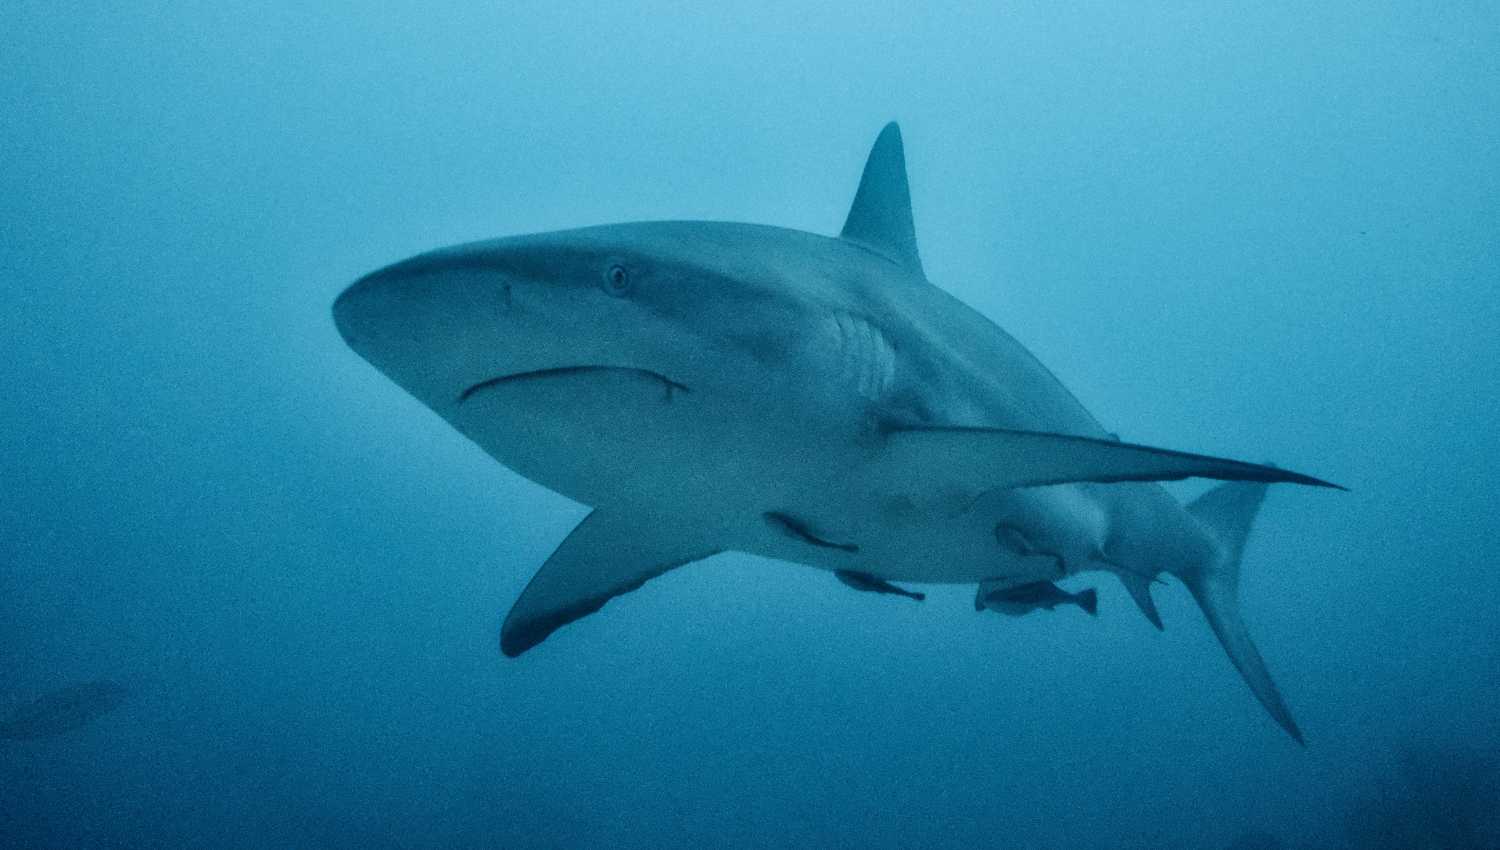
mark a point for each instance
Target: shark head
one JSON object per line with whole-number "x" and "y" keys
{"x": 560, "y": 352}
{"x": 653, "y": 300}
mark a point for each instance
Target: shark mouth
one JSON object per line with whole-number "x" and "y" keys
{"x": 670, "y": 386}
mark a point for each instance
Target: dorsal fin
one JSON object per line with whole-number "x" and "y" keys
{"x": 880, "y": 217}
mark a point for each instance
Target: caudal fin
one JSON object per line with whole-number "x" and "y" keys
{"x": 1227, "y": 511}
{"x": 1088, "y": 600}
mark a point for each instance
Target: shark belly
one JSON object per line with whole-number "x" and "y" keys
{"x": 764, "y": 479}
{"x": 1014, "y": 536}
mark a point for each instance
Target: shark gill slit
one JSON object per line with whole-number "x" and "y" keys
{"x": 563, "y": 371}
{"x": 794, "y": 527}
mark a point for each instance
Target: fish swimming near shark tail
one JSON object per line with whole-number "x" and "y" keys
{"x": 1227, "y": 511}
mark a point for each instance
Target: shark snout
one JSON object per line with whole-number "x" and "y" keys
{"x": 355, "y": 310}
{"x": 425, "y": 319}
{"x": 391, "y": 305}
{"x": 421, "y": 295}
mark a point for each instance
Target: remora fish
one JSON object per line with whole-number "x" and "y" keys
{"x": 711, "y": 386}
{"x": 1042, "y": 595}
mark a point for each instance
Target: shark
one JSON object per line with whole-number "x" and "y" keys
{"x": 709, "y": 387}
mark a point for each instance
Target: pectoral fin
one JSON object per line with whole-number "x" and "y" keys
{"x": 982, "y": 459}
{"x": 606, "y": 555}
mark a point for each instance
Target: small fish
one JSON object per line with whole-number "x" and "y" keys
{"x": 62, "y": 710}
{"x": 1022, "y": 599}
{"x": 871, "y": 584}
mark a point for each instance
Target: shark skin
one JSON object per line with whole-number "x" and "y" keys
{"x": 712, "y": 386}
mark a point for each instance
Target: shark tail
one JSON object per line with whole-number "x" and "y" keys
{"x": 1227, "y": 511}
{"x": 1088, "y": 600}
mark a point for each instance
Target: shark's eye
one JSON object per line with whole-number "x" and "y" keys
{"x": 616, "y": 280}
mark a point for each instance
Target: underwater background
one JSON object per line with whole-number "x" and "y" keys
{"x": 274, "y": 581}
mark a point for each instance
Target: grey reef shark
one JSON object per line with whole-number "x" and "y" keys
{"x": 710, "y": 387}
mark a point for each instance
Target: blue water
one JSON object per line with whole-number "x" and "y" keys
{"x": 1267, "y": 231}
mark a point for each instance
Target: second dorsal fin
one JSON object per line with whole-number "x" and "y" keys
{"x": 880, "y": 217}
